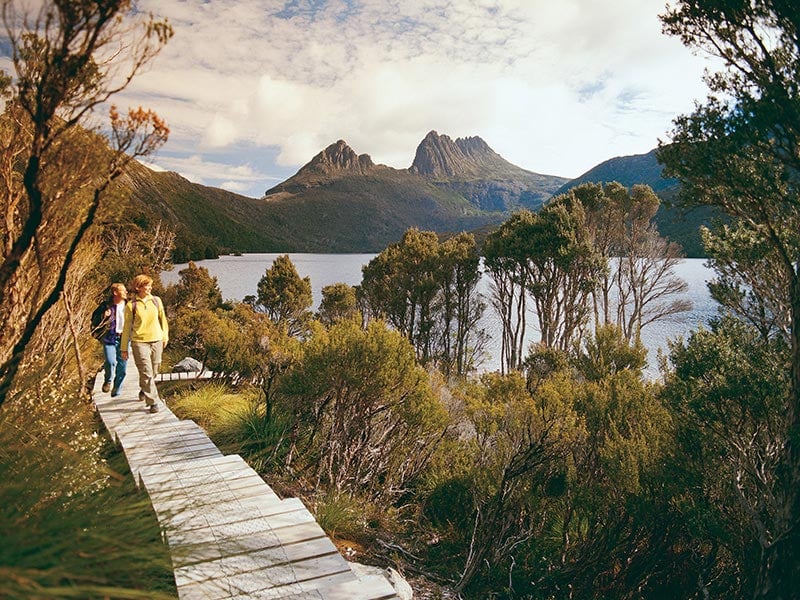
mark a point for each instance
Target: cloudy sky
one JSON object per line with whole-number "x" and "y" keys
{"x": 253, "y": 89}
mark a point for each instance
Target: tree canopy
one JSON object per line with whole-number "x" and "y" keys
{"x": 740, "y": 151}
{"x": 69, "y": 59}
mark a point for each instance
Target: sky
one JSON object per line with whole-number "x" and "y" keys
{"x": 253, "y": 89}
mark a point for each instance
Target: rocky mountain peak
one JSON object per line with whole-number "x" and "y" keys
{"x": 438, "y": 156}
{"x": 339, "y": 157}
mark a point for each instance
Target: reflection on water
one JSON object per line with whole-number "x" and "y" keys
{"x": 238, "y": 277}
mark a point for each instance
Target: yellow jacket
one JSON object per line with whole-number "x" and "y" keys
{"x": 145, "y": 321}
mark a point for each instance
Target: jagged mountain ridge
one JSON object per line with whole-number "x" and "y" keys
{"x": 439, "y": 157}
{"x": 466, "y": 167}
{"x": 341, "y": 201}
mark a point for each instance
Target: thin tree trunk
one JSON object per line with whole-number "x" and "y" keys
{"x": 780, "y": 561}
{"x": 83, "y": 378}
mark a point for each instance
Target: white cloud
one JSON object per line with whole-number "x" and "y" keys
{"x": 231, "y": 175}
{"x": 555, "y": 87}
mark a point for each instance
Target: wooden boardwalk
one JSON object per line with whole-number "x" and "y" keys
{"x": 230, "y": 536}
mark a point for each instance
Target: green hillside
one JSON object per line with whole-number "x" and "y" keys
{"x": 356, "y": 214}
{"x": 341, "y": 202}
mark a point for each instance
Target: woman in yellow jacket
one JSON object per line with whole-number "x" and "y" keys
{"x": 147, "y": 331}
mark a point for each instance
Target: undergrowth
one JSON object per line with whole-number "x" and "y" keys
{"x": 72, "y": 523}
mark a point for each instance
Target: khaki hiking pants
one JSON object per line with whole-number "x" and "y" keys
{"x": 147, "y": 356}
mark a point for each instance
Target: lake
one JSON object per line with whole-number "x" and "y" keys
{"x": 238, "y": 277}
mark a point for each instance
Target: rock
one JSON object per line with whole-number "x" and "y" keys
{"x": 400, "y": 585}
{"x": 438, "y": 156}
{"x": 336, "y": 159}
{"x": 187, "y": 365}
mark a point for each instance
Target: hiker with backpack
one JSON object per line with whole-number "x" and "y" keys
{"x": 107, "y": 325}
{"x": 147, "y": 331}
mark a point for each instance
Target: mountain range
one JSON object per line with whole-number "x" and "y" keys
{"x": 341, "y": 201}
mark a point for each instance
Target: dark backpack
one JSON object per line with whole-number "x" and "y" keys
{"x": 100, "y": 320}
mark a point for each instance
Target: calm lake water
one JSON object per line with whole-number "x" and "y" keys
{"x": 238, "y": 277}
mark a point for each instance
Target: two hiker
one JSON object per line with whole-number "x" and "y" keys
{"x": 137, "y": 324}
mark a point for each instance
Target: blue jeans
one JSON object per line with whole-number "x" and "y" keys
{"x": 114, "y": 365}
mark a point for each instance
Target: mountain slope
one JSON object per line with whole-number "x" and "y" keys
{"x": 627, "y": 170}
{"x": 341, "y": 201}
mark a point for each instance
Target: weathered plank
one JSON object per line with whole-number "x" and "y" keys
{"x": 230, "y": 536}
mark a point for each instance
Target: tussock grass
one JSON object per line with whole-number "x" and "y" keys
{"x": 340, "y": 515}
{"x": 72, "y": 523}
{"x": 235, "y": 421}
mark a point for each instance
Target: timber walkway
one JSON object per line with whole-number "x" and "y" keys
{"x": 229, "y": 535}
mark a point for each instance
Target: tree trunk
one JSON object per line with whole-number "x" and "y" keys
{"x": 780, "y": 561}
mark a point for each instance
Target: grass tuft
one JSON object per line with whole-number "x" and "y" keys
{"x": 72, "y": 523}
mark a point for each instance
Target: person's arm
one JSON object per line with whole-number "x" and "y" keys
{"x": 162, "y": 319}
{"x": 127, "y": 329}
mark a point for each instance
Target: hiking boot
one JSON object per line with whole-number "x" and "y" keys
{"x": 106, "y": 386}
{"x": 154, "y": 408}
{"x": 114, "y": 392}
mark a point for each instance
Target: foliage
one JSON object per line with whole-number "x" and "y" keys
{"x": 608, "y": 352}
{"x": 592, "y": 254}
{"x": 740, "y": 152}
{"x": 368, "y": 420}
{"x": 340, "y": 515}
{"x": 729, "y": 388}
{"x": 128, "y": 250}
{"x": 547, "y": 257}
{"x": 240, "y": 344}
{"x": 234, "y": 418}
{"x": 639, "y": 285}
{"x": 749, "y": 282}
{"x": 72, "y": 521}
{"x": 338, "y": 303}
{"x": 504, "y": 260}
{"x": 196, "y": 289}
{"x": 427, "y": 290}
{"x": 67, "y": 63}
{"x": 285, "y": 297}
{"x": 520, "y": 446}
{"x": 555, "y": 488}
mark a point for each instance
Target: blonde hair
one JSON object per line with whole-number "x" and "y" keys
{"x": 115, "y": 287}
{"x": 140, "y": 281}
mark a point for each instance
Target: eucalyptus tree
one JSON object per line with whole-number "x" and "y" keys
{"x": 740, "y": 151}
{"x": 400, "y": 286}
{"x": 69, "y": 58}
{"x": 546, "y": 257}
{"x": 285, "y": 297}
{"x": 639, "y": 285}
{"x": 505, "y": 262}
{"x": 460, "y": 306}
{"x": 427, "y": 290}
{"x": 563, "y": 271}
